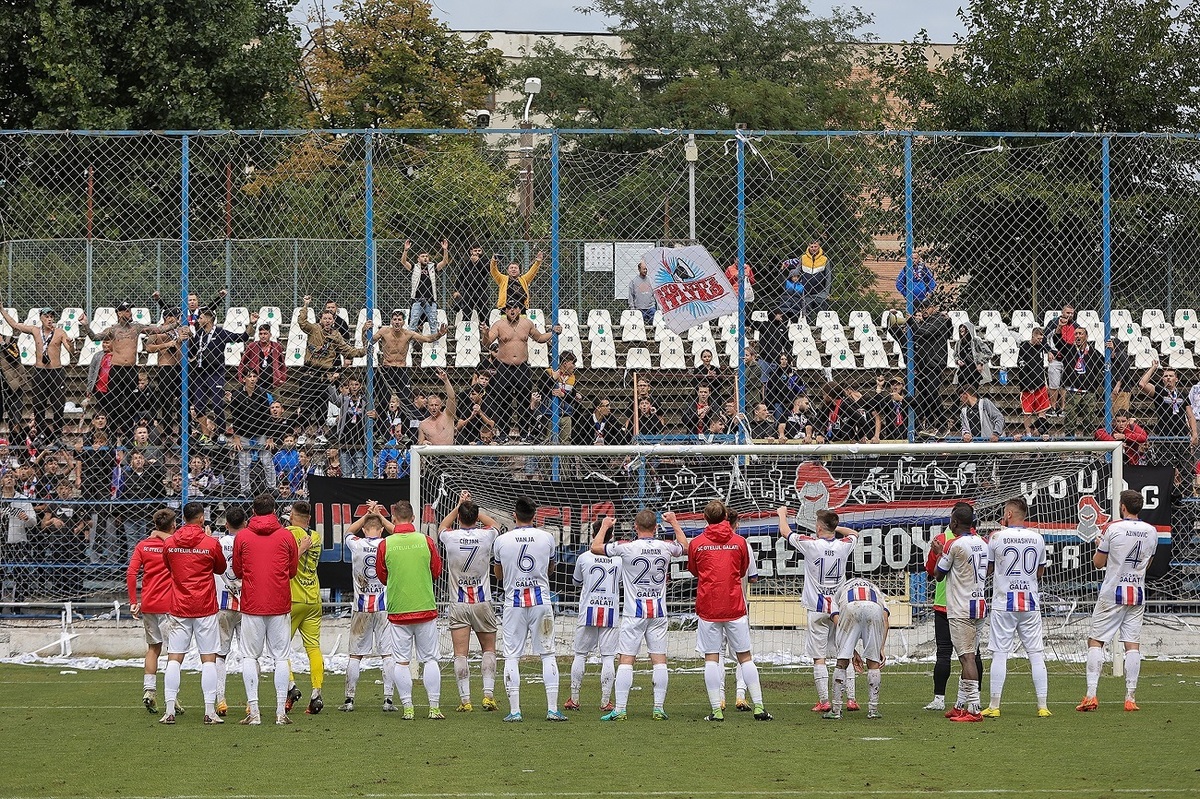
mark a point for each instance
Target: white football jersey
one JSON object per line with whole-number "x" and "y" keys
{"x": 600, "y": 579}
{"x": 369, "y": 592}
{"x": 229, "y": 588}
{"x": 469, "y": 562}
{"x": 525, "y": 555}
{"x": 965, "y": 562}
{"x": 645, "y": 564}
{"x": 1016, "y": 554}
{"x": 858, "y": 589}
{"x": 824, "y": 567}
{"x": 1129, "y": 544}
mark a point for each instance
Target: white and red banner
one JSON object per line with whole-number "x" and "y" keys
{"x": 689, "y": 286}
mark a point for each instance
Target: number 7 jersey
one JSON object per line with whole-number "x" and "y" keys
{"x": 469, "y": 563}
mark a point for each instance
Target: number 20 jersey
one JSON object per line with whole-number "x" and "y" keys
{"x": 1016, "y": 554}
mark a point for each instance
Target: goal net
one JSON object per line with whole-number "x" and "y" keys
{"x": 897, "y": 496}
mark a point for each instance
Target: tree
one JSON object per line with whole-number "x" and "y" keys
{"x": 389, "y": 63}
{"x": 989, "y": 210}
{"x": 149, "y": 65}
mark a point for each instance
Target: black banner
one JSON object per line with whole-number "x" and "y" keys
{"x": 337, "y": 502}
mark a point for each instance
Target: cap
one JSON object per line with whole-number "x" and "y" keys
{"x": 397, "y": 312}
{"x": 170, "y": 313}
{"x": 513, "y": 304}
{"x": 125, "y": 306}
{"x": 46, "y": 311}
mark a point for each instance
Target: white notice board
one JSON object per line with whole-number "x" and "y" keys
{"x": 626, "y": 256}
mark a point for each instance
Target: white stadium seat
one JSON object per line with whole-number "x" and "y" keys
{"x": 1120, "y": 316}
{"x": 604, "y": 354}
{"x": 433, "y": 355}
{"x": 237, "y": 319}
{"x": 842, "y": 359}
{"x": 671, "y": 355}
{"x": 807, "y": 358}
{"x": 638, "y": 358}
{"x": 990, "y": 319}
{"x": 1152, "y": 316}
{"x": 1128, "y": 331}
{"x": 233, "y": 354}
{"x": 1183, "y": 316}
{"x": 875, "y": 360}
{"x": 633, "y": 327}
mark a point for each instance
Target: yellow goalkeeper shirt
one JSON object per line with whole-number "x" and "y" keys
{"x": 306, "y": 588}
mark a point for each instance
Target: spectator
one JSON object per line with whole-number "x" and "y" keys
{"x": 806, "y": 289}
{"x": 138, "y": 481}
{"x": 393, "y": 341}
{"x": 513, "y": 285}
{"x": 467, "y": 428}
{"x": 973, "y": 355}
{"x": 649, "y": 420}
{"x": 393, "y": 451}
{"x": 12, "y": 383}
{"x": 709, "y": 374}
{"x": 265, "y": 357}
{"x": 205, "y": 480}
{"x": 1083, "y": 384}
{"x": 470, "y": 294}
{"x": 392, "y": 469}
{"x": 351, "y": 426}
{"x": 168, "y": 381}
{"x": 249, "y": 429}
{"x": 731, "y": 274}
{"x": 782, "y": 387}
{"x": 206, "y": 364}
{"x": 981, "y": 419}
{"x": 1175, "y": 423}
{"x": 891, "y": 409}
{"x": 696, "y": 415}
{"x": 424, "y": 285}
{"x": 1030, "y": 378}
{"x": 849, "y": 418}
{"x": 324, "y": 345}
{"x": 1060, "y": 338}
{"x": 1129, "y": 431}
{"x": 601, "y": 408}
{"x": 923, "y": 283}
{"x": 533, "y": 421}
{"x": 48, "y": 389}
{"x": 420, "y": 412}
{"x": 286, "y": 461}
{"x": 763, "y": 426}
{"x": 641, "y": 294}
{"x": 512, "y": 334}
{"x": 1119, "y": 365}
{"x": 193, "y": 305}
{"x": 439, "y": 427}
{"x": 798, "y": 427}
{"x": 141, "y": 443}
{"x": 99, "y": 372}
{"x": 340, "y": 325}
{"x": 927, "y": 329}
{"x": 563, "y": 389}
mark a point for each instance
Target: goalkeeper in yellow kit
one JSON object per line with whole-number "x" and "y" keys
{"x": 306, "y": 604}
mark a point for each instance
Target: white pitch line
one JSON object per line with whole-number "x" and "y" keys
{"x": 664, "y": 794}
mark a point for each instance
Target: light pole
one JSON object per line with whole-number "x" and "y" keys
{"x": 691, "y": 154}
{"x": 532, "y": 86}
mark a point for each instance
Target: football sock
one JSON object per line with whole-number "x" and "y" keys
{"x": 404, "y": 683}
{"x": 171, "y": 684}
{"x": 208, "y": 684}
{"x": 550, "y": 677}
{"x": 821, "y": 680}
{"x": 753, "y": 686}
{"x": 1133, "y": 668}
{"x": 961, "y": 699}
{"x": 971, "y": 695}
{"x": 220, "y": 677}
{"x": 721, "y": 662}
{"x": 250, "y": 679}
{"x": 997, "y": 676}
{"x": 316, "y": 666}
{"x": 512, "y": 683}
{"x": 149, "y": 682}
{"x": 1095, "y": 662}
{"x": 1037, "y": 665}
{"x": 714, "y": 681}
{"x": 489, "y": 673}
{"x": 741, "y": 681}
{"x": 577, "y": 668}
{"x": 353, "y": 670}
{"x": 608, "y": 674}
{"x": 850, "y": 677}
{"x": 463, "y": 675}
{"x": 282, "y": 680}
{"x": 433, "y": 682}
{"x": 624, "y": 684}
{"x": 874, "y": 678}
{"x": 839, "y": 686}
{"x": 659, "y": 679}
{"x": 388, "y": 671}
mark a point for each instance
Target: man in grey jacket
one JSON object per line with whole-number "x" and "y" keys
{"x": 981, "y": 419}
{"x": 641, "y": 294}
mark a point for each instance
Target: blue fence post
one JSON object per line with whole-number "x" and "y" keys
{"x": 1106, "y": 275}
{"x": 369, "y": 299}
{"x": 741, "y": 262}
{"x": 184, "y": 253}
{"x": 555, "y": 274}
{"x": 909, "y": 306}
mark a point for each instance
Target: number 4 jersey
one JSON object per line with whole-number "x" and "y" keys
{"x": 645, "y": 564}
{"x": 1016, "y": 555}
{"x": 469, "y": 562}
{"x": 1129, "y": 544}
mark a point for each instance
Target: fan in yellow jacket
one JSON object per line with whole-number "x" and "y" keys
{"x": 513, "y": 284}
{"x": 306, "y": 604}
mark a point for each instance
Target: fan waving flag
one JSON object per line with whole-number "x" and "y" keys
{"x": 689, "y": 286}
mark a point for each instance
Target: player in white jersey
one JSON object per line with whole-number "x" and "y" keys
{"x": 229, "y": 589}
{"x": 963, "y": 565}
{"x": 370, "y": 631}
{"x": 645, "y": 565}
{"x": 523, "y": 558}
{"x": 825, "y": 557}
{"x": 599, "y": 579}
{"x": 1124, "y": 551}
{"x": 467, "y": 551}
{"x": 860, "y": 614}
{"x": 1016, "y": 561}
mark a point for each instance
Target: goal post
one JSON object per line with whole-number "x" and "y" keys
{"x": 898, "y": 496}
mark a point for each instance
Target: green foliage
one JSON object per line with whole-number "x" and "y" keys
{"x": 151, "y": 64}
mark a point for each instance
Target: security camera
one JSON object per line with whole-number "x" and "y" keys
{"x": 481, "y": 117}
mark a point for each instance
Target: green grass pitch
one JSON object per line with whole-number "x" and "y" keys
{"x": 87, "y": 735}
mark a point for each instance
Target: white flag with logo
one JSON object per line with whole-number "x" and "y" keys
{"x": 689, "y": 286}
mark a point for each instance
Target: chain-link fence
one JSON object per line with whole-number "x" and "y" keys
{"x": 892, "y": 286}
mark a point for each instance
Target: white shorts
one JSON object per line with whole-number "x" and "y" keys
{"x": 228, "y": 621}
{"x": 420, "y": 639}
{"x": 865, "y": 622}
{"x": 822, "y": 636}
{"x": 204, "y": 629}
{"x": 652, "y": 631}
{"x": 157, "y": 627}
{"x": 1008, "y": 625}
{"x": 370, "y": 633}
{"x": 535, "y": 623}
{"x": 270, "y": 635}
{"x": 589, "y": 639}
{"x": 965, "y": 635}
{"x": 1109, "y": 619}
{"x": 713, "y": 635}
{"x": 1054, "y": 371}
{"x": 479, "y": 616}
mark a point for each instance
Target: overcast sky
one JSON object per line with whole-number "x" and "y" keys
{"x": 894, "y": 19}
